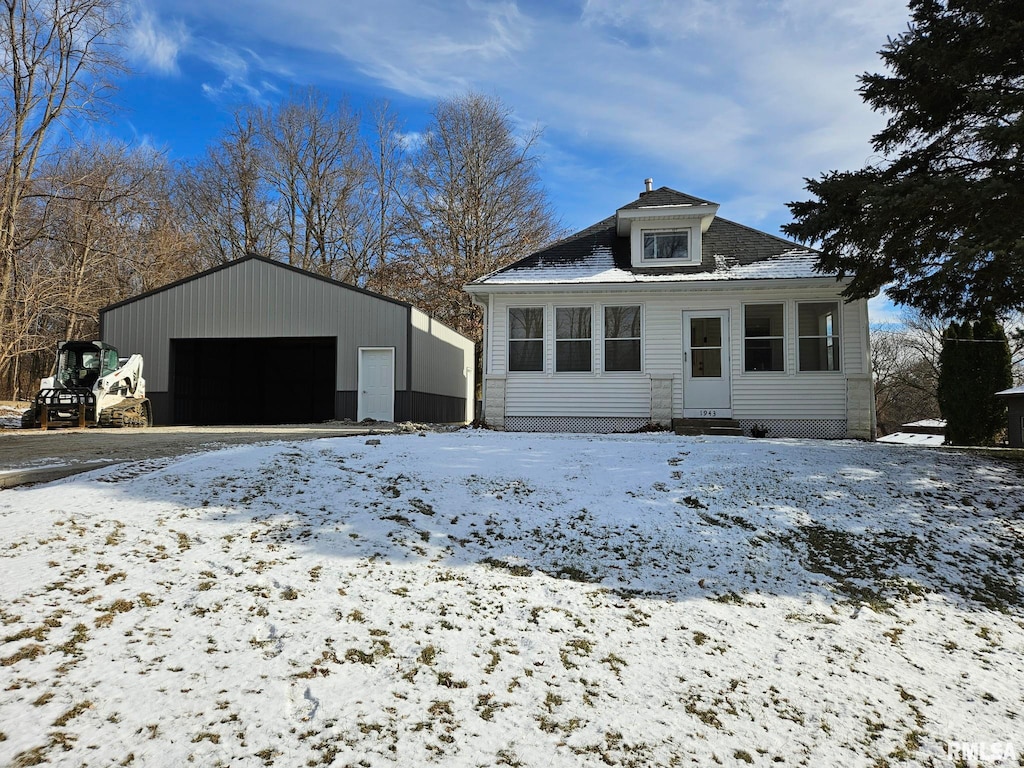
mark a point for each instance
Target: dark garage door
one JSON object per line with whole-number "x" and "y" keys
{"x": 252, "y": 381}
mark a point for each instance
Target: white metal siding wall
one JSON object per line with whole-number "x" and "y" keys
{"x": 442, "y": 360}
{"x": 579, "y": 395}
{"x": 257, "y": 299}
{"x": 788, "y": 395}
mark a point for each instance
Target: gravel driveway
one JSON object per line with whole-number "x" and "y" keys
{"x": 34, "y": 456}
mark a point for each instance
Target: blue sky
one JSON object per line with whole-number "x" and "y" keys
{"x": 736, "y": 101}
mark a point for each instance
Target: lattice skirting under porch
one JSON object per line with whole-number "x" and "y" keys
{"x": 824, "y": 429}
{"x": 598, "y": 424}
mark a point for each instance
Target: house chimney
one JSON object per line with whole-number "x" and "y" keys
{"x": 648, "y": 185}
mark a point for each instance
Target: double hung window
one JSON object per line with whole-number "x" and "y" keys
{"x": 573, "y": 339}
{"x": 818, "y": 332}
{"x": 526, "y": 339}
{"x": 764, "y": 337}
{"x": 622, "y": 338}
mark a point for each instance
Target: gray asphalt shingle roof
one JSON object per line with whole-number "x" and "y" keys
{"x": 730, "y": 251}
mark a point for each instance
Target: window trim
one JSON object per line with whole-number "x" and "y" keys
{"x": 509, "y": 340}
{"x": 605, "y": 338}
{"x": 785, "y": 357}
{"x": 666, "y": 232}
{"x": 837, "y": 334}
{"x": 589, "y": 339}
{"x": 674, "y": 225}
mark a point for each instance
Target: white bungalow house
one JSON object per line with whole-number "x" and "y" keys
{"x": 666, "y": 311}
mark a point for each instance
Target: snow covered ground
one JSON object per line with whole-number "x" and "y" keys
{"x": 484, "y": 599}
{"x": 10, "y": 416}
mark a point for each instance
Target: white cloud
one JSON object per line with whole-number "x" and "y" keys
{"x": 247, "y": 76}
{"x": 882, "y": 312}
{"x": 734, "y": 95}
{"x": 153, "y": 44}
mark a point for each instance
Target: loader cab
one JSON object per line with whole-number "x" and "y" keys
{"x": 82, "y": 363}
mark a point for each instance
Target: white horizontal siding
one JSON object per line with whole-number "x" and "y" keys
{"x": 854, "y": 331}
{"x": 773, "y": 396}
{"x": 578, "y": 395}
{"x": 787, "y": 395}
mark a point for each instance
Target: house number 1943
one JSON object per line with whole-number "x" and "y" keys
{"x": 708, "y": 413}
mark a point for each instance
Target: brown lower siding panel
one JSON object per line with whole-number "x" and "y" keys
{"x": 410, "y": 406}
{"x": 160, "y": 402}
{"x": 429, "y": 408}
{"x": 345, "y": 405}
{"x": 1016, "y": 422}
{"x": 414, "y": 406}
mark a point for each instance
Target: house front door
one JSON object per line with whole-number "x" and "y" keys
{"x": 707, "y": 390}
{"x": 376, "y": 380}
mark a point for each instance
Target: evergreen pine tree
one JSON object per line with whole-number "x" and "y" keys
{"x": 975, "y": 364}
{"x": 995, "y": 373}
{"x": 954, "y": 389}
{"x": 937, "y": 220}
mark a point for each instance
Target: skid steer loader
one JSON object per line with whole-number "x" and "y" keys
{"x": 92, "y": 386}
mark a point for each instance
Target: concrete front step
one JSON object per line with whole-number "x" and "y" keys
{"x": 691, "y": 427}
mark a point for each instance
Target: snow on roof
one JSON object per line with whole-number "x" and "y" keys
{"x": 602, "y": 255}
{"x": 1012, "y": 391}
{"x": 913, "y": 438}
{"x": 931, "y": 423}
{"x": 599, "y": 267}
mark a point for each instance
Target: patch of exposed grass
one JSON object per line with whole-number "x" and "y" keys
{"x": 706, "y": 715}
{"x": 79, "y": 634}
{"x": 616, "y": 663}
{"x": 72, "y": 713}
{"x": 574, "y": 573}
{"x": 25, "y": 653}
{"x": 357, "y": 656}
{"x": 859, "y": 564}
{"x": 118, "y": 606}
{"x": 512, "y": 568}
{"x": 34, "y": 756}
{"x": 446, "y": 680}
{"x": 34, "y": 633}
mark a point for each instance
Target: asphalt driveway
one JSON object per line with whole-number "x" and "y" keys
{"x": 35, "y": 456}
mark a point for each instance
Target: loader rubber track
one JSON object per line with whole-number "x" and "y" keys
{"x": 130, "y": 412}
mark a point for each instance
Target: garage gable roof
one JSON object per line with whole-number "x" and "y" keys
{"x": 265, "y": 260}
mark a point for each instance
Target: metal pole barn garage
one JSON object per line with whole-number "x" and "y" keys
{"x": 255, "y": 341}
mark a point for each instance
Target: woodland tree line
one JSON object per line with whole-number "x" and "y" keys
{"x": 309, "y": 181}
{"x": 86, "y": 222}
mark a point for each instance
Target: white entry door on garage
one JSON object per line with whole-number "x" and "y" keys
{"x": 376, "y": 383}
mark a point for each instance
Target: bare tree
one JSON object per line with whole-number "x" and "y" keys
{"x": 58, "y": 58}
{"x": 225, "y": 198}
{"x": 906, "y": 380}
{"x": 386, "y": 177}
{"x": 316, "y": 164}
{"x": 105, "y": 231}
{"x": 473, "y": 203}
{"x": 906, "y": 364}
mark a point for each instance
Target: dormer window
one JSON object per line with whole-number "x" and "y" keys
{"x": 670, "y": 244}
{"x": 665, "y": 229}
